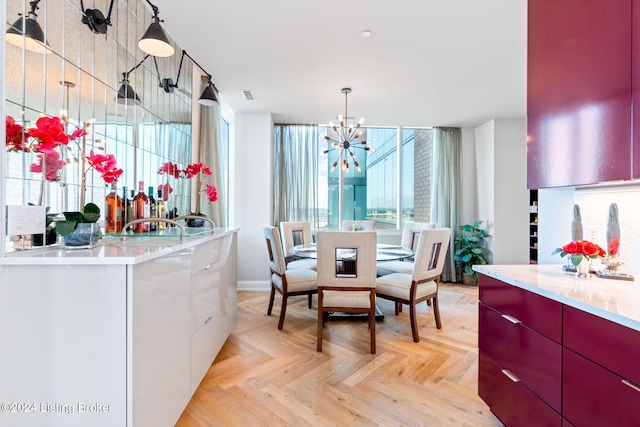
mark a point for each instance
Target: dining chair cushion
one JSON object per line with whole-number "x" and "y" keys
{"x": 352, "y": 299}
{"x": 308, "y": 263}
{"x": 399, "y": 285}
{"x": 298, "y": 279}
{"x": 389, "y": 267}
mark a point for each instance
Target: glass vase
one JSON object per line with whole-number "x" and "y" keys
{"x": 84, "y": 236}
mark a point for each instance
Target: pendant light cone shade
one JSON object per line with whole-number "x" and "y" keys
{"x": 126, "y": 95}
{"x": 29, "y": 30}
{"x": 208, "y": 97}
{"x": 155, "y": 42}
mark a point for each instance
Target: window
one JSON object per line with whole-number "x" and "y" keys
{"x": 386, "y": 184}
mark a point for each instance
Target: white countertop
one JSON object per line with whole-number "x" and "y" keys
{"x": 112, "y": 250}
{"x": 615, "y": 300}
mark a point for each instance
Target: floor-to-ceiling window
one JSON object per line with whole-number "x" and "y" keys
{"x": 384, "y": 189}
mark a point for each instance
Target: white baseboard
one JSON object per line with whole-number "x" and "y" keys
{"x": 254, "y": 285}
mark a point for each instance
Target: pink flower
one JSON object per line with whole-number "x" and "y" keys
{"x": 105, "y": 165}
{"x": 15, "y": 137}
{"x": 49, "y": 133}
{"x": 195, "y": 169}
{"x": 212, "y": 193}
{"x": 171, "y": 169}
{"x": 53, "y": 165}
{"x": 166, "y": 190}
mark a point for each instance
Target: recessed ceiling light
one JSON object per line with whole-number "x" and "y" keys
{"x": 366, "y": 33}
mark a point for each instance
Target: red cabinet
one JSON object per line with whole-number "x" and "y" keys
{"x": 579, "y": 92}
{"x": 542, "y": 362}
{"x": 520, "y": 363}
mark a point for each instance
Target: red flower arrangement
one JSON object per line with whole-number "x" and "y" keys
{"x": 579, "y": 250}
{"x": 191, "y": 171}
{"x": 44, "y": 139}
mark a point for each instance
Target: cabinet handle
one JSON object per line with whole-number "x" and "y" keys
{"x": 634, "y": 386}
{"x": 208, "y": 267}
{"x": 511, "y": 319}
{"x": 208, "y": 320}
{"x": 511, "y": 376}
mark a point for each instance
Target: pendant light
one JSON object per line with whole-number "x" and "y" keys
{"x": 27, "y": 30}
{"x": 347, "y": 139}
{"x": 154, "y": 41}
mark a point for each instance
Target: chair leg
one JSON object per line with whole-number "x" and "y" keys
{"x": 309, "y": 296}
{"x": 273, "y": 294}
{"x": 429, "y": 302}
{"x": 398, "y": 308}
{"x": 372, "y": 329}
{"x": 436, "y": 312}
{"x": 319, "y": 330}
{"x": 414, "y": 322}
{"x": 283, "y": 311}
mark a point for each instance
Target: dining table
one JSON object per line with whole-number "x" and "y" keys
{"x": 384, "y": 252}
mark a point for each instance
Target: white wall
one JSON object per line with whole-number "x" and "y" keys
{"x": 253, "y": 196}
{"x": 556, "y": 213}
{"x": 503, "y": 198}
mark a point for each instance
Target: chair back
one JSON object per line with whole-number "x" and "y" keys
{"x": 431, "y": 253}
{"x": 411, "y": 233}
{"x": 295, "y": 233}
{"x": 274, "y": 249}
{"x": 330, "y": 265}
{"x": 365, "y": 225}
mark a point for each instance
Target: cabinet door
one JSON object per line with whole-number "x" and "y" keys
{"x": 635, "y": 82}
{"x": 594, "y": 396}
{"x": 161, "y": 339}
{"x": 578, "y": 92}
{"x": 531, "y": 357}
{"x": 509, "y": 400}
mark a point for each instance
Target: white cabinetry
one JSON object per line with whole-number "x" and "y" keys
{"x": 120, "y": 341}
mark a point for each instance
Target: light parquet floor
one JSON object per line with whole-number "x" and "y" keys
{"x": 266, "y": 377}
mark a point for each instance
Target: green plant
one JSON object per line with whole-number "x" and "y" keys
{"x": 470, "y": 250}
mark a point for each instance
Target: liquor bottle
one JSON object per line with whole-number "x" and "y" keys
{"x": 160, "y": 210}
{"x": 113, "y": 202}
{"x": 125, "y": 208}
{"x": 130, "y": 206}
{"x": 140, "y": 209}
{"x": 153, "y": 226}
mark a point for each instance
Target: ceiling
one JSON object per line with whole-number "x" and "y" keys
{"x": 427, "y": 62}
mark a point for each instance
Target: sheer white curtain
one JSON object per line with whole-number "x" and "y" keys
{"x": 445, "y": 193}
{"x": 295, "y": 174}
{"x": 212, "y": 155}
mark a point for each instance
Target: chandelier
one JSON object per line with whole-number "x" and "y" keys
{"x": 347, "y": 139}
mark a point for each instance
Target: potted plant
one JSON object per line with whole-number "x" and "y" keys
{"x": 470, "y": 251}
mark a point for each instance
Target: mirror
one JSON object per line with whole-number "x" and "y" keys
{"x": 78, "y": 81}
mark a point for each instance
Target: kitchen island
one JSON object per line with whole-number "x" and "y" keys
{"x": 118, "y": 335}
{"x": 557, "y": 350}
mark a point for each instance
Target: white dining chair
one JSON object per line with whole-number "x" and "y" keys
{"x": 297, "y": 233}
{"x": 288, "y": 282}
{"x": 351, "y": 291}
{"x": 410, "y": 236}
{"x": 364, "y": 225}
{"x": 422, "y": 284}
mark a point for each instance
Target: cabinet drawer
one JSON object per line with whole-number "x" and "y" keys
{"x": 510, "y": 401}
{"x": 609, "y": 344}
{"x": 207, "y": 295}
{"x": 536, "y": 312}
{"x": 201, "y": 256}
{"x": 205, "y": 344}
{"x": 533, "y": 358}
{"x": 594, "y": 396}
